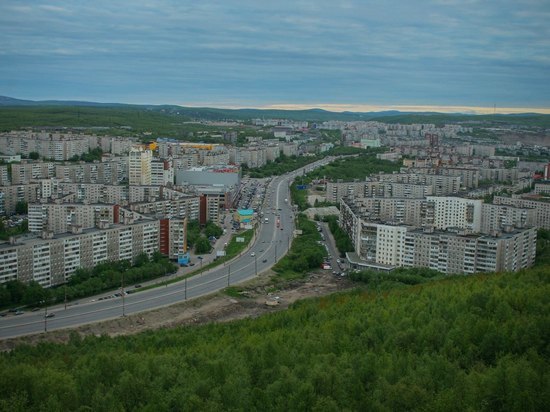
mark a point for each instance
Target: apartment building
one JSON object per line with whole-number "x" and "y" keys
{"x": 170, "y": 208}
{"x": 139, "y": 166}
{"x": 58, "y": 217}
{"x": 111, "y": 172}
{"x": 56, "y": 146}
{"x": 335, "y": 191}
{"x": 162, "y": 173}
{"x": 456, "y": 212}
{"x": 26, "y": 172}
{"x": 172, "y": 237}
{"x": 29, "y": 193}
{"x": 540, "y": 205}
{"x": 495, "y": 217}
{"x": 439, "y": 233}
{"x": 455, "y": 253}
{"x": 4, "y": 176}
{"x": 442, "y": 185}
{"x": 542, "y": 188}
{"x": 52, "y": 260}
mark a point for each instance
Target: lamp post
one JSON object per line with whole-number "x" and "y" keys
{"x": 228, "y": 275}
{"x": 46, "y": 318}
{"x": 122, "y": 293}
{"x": 256, "y": 264}
{"x": 65, "y": 296}
{"x": 185, "y": 290}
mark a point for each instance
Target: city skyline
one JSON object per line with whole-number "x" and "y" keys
{"x": 440, "y": 55}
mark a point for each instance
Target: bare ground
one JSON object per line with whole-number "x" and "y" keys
{"x": 257, "y": 297}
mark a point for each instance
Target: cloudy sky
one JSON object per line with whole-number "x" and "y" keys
{"x": 289, "y": 53}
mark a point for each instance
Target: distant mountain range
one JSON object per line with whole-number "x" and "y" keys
{"x": 208, "y": 113}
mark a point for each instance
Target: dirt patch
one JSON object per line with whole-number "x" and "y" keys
{"x": 256, "y": 298}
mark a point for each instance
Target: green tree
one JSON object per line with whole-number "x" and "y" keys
{"x": 202, "y": 245}
{"x": 34, "y": 155}
{"x": 21, "y": 207}
{"x": 212, "y": 229}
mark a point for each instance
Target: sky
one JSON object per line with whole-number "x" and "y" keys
{"x": 452, "y": 55}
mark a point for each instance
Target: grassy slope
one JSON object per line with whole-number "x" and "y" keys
{"x": 477, "y": 342}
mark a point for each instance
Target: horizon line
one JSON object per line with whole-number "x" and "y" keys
{"x": 365, "y": 108}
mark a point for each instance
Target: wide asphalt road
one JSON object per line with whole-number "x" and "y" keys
{"x": 270, "y": 244}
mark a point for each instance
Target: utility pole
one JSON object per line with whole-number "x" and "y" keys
{"x": 228, "y": 275}
{"x": 256, "y": 264}
{"x": 275, "y": 252}
{"x": 46, "y": 318}
{"x": 122, "y": 292}
{"x": 185, "y": 282}
{"x": 65, "y": 296}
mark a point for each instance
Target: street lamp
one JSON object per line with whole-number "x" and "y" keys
{"x": 46, "y": 318}
{"x": 256, "y": 264}
{"x": 122, "y": 293}
{"x": 228, "y": 275}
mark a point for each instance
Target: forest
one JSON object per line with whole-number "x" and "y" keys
{"x": 476, "y": 342}
{"x": 357, "y": 167}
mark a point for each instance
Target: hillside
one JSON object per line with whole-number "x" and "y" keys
{"x": 25, "y": 113}
{"x": 477, "y": 343}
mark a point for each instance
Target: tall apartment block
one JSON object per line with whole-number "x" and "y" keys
{"x": 52, "y": 259}
{"x": 139, "y": 166}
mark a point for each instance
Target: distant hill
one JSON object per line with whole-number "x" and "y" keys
{"x": 312, "y": 115}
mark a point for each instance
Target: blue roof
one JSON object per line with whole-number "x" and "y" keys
{"x": 245, "y": 212}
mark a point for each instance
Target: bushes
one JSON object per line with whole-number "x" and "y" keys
{"x": 305, "y": 253}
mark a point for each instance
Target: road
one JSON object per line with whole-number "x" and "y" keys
{"x": 269, "y": 245}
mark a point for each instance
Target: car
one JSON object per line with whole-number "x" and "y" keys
{"x": 3, "y": 314}
{"x": 19, "y": 312}
{"x": 35, "y": 309}
{"x": 253, "y": 254}
{"x": 265, "y": 260}
{"x": 50, "y": 315}
{"x": 137, "y": 286}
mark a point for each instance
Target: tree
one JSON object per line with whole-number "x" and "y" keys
{"x": 21, "y": 207}
{"x": 34, "y": 155}
{"x": 141, "y": 259}
{"x": 202, "y": 245}
{"x": 212, "y": 230}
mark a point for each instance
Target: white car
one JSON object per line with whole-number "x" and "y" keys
{"x": 253, "y": 254}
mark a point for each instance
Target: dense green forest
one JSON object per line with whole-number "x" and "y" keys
{"x": 22, "y": 113}
{"x": 356, "y": 167}
{"x": 475, "y": 342}
{"x": 281, "y": 165}
{"x": 124, "y": 120}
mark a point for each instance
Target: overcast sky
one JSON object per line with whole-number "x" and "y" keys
{"x": 280, "y": 52}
